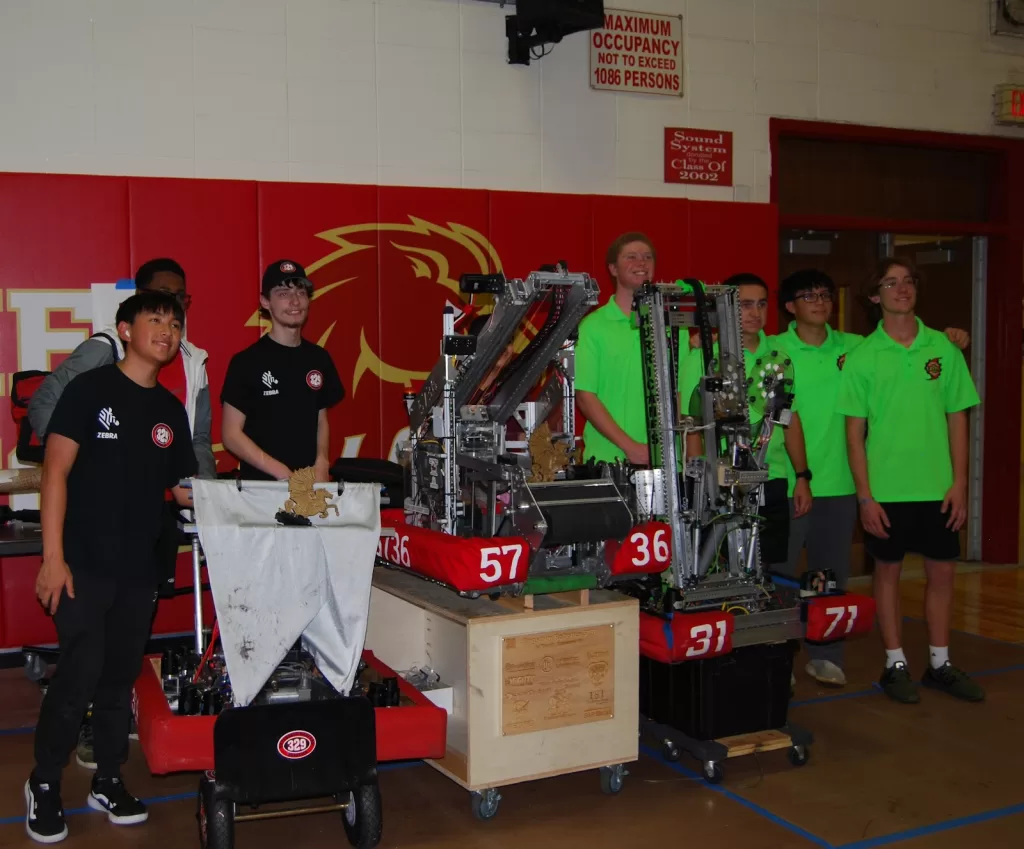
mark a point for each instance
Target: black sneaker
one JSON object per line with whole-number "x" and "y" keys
{"x": 110, "y": 795}
{"x": 44, "y": 817}
{"x": 898, "y": 685}
{"x": 954, "y": 681}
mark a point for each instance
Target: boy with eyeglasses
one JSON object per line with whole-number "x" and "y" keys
{"x": 185, "y": 377}
{"x": 907, "y": 389}
{"x": 819, "y": 353}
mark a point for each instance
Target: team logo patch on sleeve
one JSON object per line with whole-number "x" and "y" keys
{"x": 933, "y": 368}
{"x": 840, "y": 362}
{"x": 315, "y": 379}
{"x": 163, "y": 436}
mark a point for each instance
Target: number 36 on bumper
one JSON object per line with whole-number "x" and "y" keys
{"x": 647, "y": 548}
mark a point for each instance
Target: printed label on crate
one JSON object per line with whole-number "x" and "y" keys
{"x": 557, "y": 679}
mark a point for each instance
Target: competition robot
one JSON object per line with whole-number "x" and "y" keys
{"x": 498, "y": 502}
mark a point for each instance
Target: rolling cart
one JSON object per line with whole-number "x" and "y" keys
{"x": 299, "y": 741}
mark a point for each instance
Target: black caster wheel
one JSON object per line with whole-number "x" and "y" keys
{"x": 612, "y": 779}
{"x": 799, "y": 755}
{"x": 216, "y": 818}
{"x": 669, "y": 752}
{"x": 485, "y": 805}
{"x": 713, "y": 773}
{"x": 363, "y": 818}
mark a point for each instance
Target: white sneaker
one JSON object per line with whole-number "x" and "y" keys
{"x": 826, "y": 672}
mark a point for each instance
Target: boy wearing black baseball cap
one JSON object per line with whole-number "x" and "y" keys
{"x": 277, "y": 391}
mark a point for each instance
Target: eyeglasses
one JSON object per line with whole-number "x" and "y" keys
{"x": 891, "y": 282}
{"x": 814, "y": 297}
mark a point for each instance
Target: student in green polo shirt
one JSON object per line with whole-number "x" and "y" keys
{"x": 819, "y": 353}
{"x": 786, "y": 443}
{"x": 909, "y": 386}
{"x": 609, "y": 370}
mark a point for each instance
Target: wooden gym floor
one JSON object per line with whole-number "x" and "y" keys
{"x": 936, "y": 775}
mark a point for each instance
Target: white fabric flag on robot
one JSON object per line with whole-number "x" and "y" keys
{"x": 272, "y": 584}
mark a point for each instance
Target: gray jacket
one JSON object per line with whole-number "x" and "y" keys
{"x": 105, "y": 348}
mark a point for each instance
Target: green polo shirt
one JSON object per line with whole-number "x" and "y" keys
{"x": 691, "y": 372}
{"x": 905, "y": 394}
{"x": 608, "y": 363}
{"x": 820, "y": 368}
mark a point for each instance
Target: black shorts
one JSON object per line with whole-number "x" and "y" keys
{"x": 915, "y": 527}
{"x": 775, "y": 528}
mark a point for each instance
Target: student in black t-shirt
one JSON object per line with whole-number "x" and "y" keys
{"x": 277, "y": 391}
{"x": 116, "y": 442}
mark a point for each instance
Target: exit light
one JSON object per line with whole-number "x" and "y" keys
{"x": 1009, "y": 105}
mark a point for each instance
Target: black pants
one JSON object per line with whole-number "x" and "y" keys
{"x": 775, "y": 530}
{"x": 102, "y": 634}
{"x": 167, "y": 549}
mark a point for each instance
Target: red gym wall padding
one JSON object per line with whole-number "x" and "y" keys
{"x": 385, "y": 261}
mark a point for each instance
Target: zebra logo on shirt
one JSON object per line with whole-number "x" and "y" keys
{"x": 270, "y": 382}
{"x": 107, "y": 418}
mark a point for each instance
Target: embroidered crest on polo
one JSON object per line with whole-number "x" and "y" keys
{"x": 315, "y": 379}
{"x": 163, "y": 436}
{"x": 933, "y": 368}
{"x": 287, "y": 267}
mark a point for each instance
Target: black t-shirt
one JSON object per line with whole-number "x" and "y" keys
{"x": 281, "y": 391}
{"x": 133, "y": 444}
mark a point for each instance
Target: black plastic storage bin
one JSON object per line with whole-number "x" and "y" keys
{"x": 741, "y": 692}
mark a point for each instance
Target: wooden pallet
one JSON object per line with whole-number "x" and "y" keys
{"x": 759, "y": 741}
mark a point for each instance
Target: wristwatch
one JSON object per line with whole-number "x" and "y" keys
{"x": 805, "y": 474}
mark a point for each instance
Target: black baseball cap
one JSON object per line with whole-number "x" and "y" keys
{"x": 281, "y": 272}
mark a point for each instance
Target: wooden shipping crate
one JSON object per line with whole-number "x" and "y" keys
{"x": 539, "y": 690}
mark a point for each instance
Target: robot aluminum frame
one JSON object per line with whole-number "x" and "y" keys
{"x": 661, "y": 307}
{"x": 510, "y": 309}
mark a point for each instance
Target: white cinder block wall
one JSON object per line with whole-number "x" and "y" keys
{"x": 418, "y": 92}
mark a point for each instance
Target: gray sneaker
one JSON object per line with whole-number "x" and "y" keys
{"x": 826, "y": 672}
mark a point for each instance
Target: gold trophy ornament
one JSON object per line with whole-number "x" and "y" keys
{"x": 305, "y": 500}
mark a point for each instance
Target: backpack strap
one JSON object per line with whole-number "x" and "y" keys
{"x": 113, "y": 344}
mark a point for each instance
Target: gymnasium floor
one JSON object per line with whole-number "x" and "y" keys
{"x": 937, "y": 775}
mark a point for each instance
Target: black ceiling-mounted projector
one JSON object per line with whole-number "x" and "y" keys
{"x": 539, "y": 22}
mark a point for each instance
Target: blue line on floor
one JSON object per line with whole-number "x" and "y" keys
{"x": 838, "y": 697}
{"x": 746, "y": 803}
{"x": 1015, "y": 668}
{"x": 876, "y": 688}
{"x": 924, "y": 830}
{"x": 10, "y": 732}
{"x": 74, "y": 812}
{"x": 182, "y": 797}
